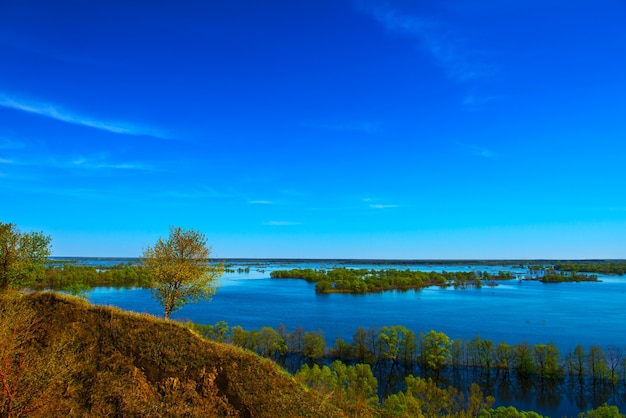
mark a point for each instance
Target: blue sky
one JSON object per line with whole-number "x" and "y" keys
{"x": 341, "y": 129}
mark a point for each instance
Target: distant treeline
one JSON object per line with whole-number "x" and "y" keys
{"x": 76, "y": 278}
{"x": 605, "y": 267}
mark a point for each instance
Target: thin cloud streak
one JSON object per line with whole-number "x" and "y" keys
{"x": 6, "y": 143}
{"x": 54, "y": 112}
{"x": 82, "y": 163}
{"x": 431, "y": 34}
{"x": 380, "y": 206}
{"x": 363, "y": 127}
{"x": 476, "y": 150}
{"x": 260, "y": 202}
{"x": 85, "y": 164}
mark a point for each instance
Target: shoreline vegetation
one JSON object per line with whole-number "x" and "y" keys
{"x": 393, "y": 354}
{"x": 360, "y": 281}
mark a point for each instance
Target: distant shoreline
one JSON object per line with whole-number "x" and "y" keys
{"x": 375, "y": 260}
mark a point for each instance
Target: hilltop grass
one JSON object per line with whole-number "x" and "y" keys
{"x": 62, "y": 356}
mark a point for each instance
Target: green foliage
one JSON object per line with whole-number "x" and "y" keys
{"x": 597, "y": 363}
{"x": 314, "y": 345}
{"x": 423, "y": 398}
{"x": 436, "y": 349}
{"x": 217, "y": 332}
{"x": 77, "y": 279}
{"x": 523, "y": 360}
{"x": 603, "y": 411}
{"x": 559, "y": 277}
{"x": 181, "y": 270}
{"x": 548, "y": 361}
{"x": 353, "y": 388}
{"x": 391, "y": 343}
{"x": 359, "y": 281}
{"x": 603, "y": 267}
{"x": 22, "y": 256}
{"x": 507, "y": 412}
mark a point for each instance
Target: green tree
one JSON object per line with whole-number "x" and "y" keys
{"x": 353, "y": 388}
{"x": 437, "y": 349}
{"x": 507, "y": 412}
{"x": 575, "y": 362}
{"x": 22, "y": 256}
{"x": 504, "y": 357}
{"x": 314, "y": 345}
{"x": 360, "y": 346}
{"x": 390, "y": 342}
{"x": 523, "y": 360}
{"x": 547, "y": 360}
{"x": 597, "y": 366}
{"x": 270, "y": 343}
{"x": 181, "y": 270}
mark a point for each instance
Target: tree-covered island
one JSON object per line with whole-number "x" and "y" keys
{"x": 345, "y": 280}
{"x": 361, "y": 281}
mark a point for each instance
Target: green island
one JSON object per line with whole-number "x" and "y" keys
{"x": 359, "y": 281}
{"x": 617, "y": 267}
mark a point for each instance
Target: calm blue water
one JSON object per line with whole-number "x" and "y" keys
{"x": 565, "y": 313}
{"x": 514, "y": 311}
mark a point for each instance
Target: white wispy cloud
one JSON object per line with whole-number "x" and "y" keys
{"x": 434, "y": 36}
{"x": 475, "y": 100}
{"x": 363, "y": 127}
{"x": 107, "y": 165}
{"x": 381, "y": 206}
{"x": 281, "y": 223}
{"x": 6, "y": 143}
{"x": 372, "y": 204}
{"x": 476, "y": 150}
{"x": 260, "y": 202}
{"x": 199, "y": 192}
{"x": 484, "y": 152}
{"x": 99, "y": 162}
{"x": 57, "y": 113}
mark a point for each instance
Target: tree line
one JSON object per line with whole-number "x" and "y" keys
{"x": 360, "y": 370}
{"x": 617, "y": 267}
{"x": 397, "y": 346}
{"x": 77, "y": 278}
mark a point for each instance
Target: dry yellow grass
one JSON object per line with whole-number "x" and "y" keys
{"x": 102, "y": 361}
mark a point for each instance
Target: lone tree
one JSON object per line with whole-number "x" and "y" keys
{"x": 22, "y": 256}
{"x": 180, "y": 269}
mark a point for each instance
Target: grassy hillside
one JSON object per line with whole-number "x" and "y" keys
{"x": 62, "y": 356}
